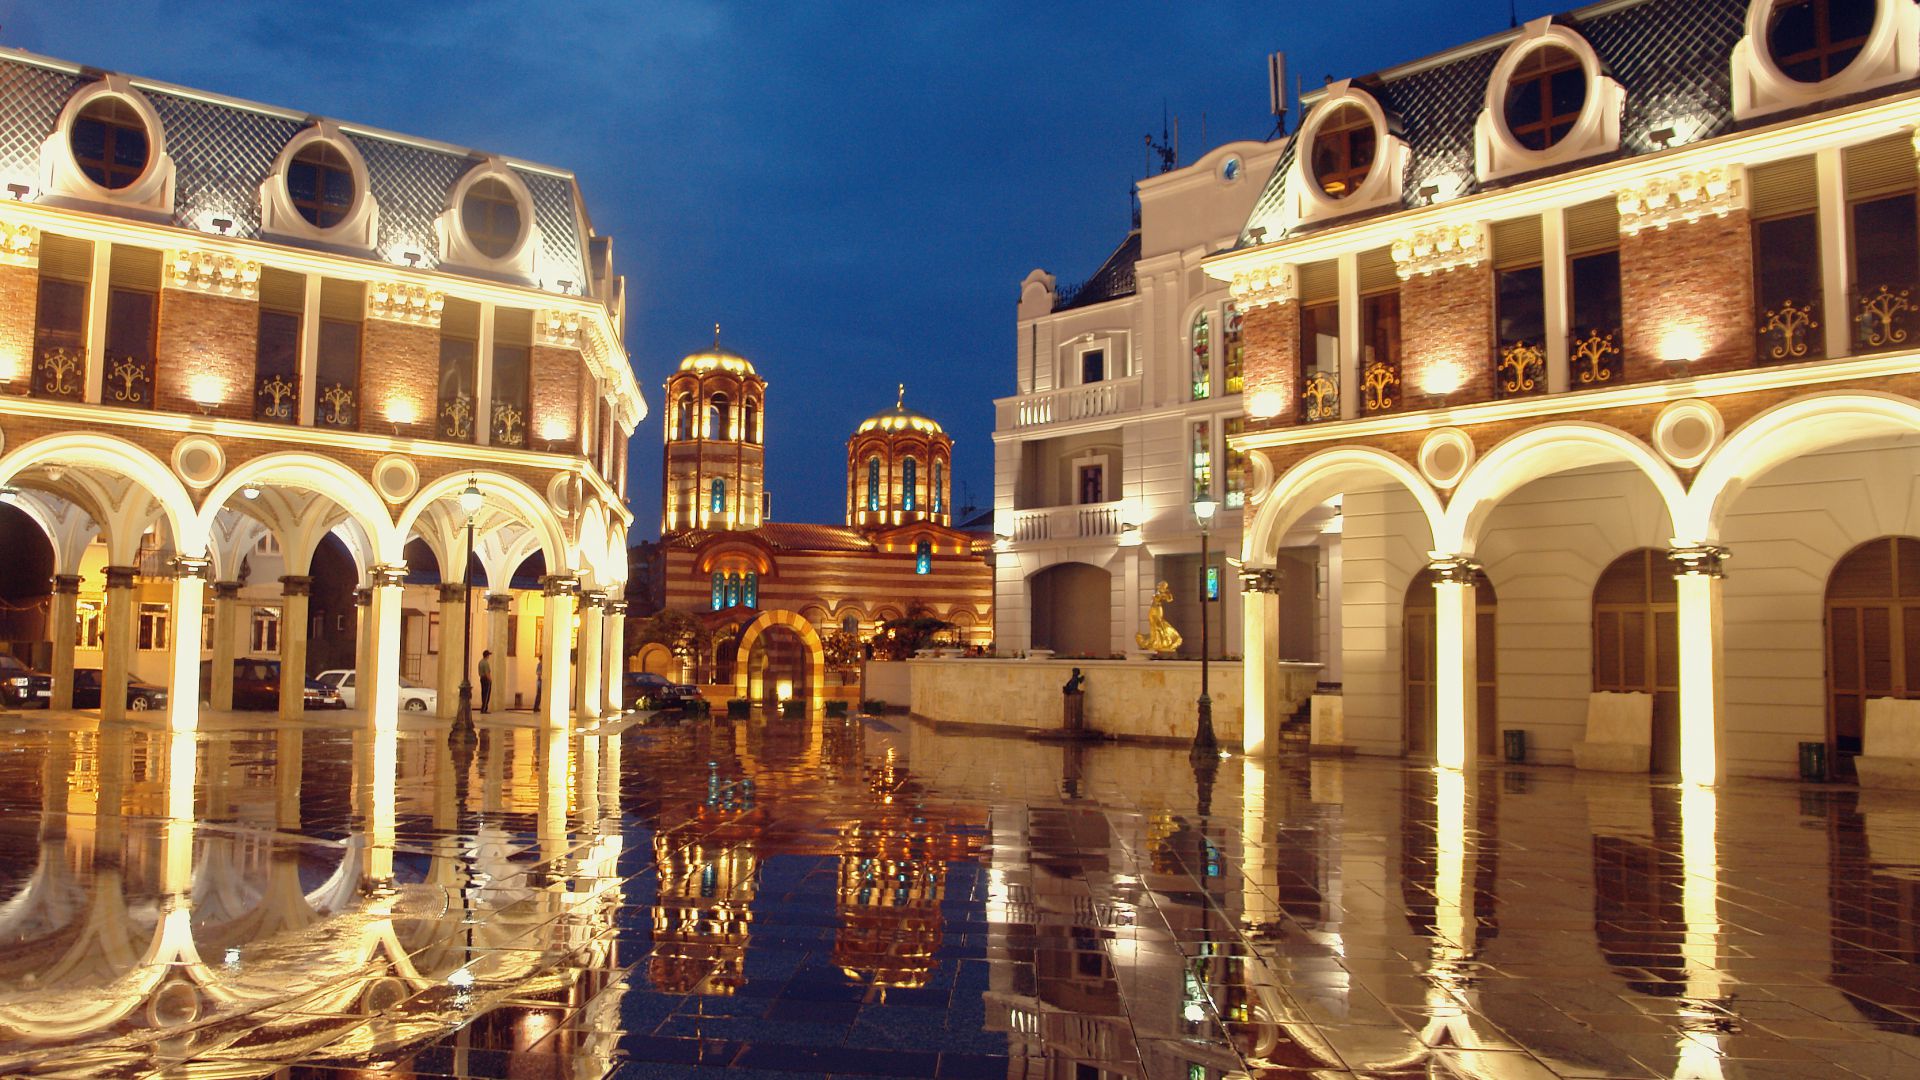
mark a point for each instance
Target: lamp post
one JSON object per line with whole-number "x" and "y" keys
{"x": 463, "y": 716}
{"x": 1204, "y": 744}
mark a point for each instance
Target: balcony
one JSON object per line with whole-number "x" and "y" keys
{"x": 1093, "y": 521}
{"x": 1072, "y": 404}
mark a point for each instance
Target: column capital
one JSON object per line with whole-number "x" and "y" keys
{"x": 362, "y": 596}
{"x": 560, "y": 585}
{"x": 296, "y": 585}
{"x": 617, "y": 608}
{"x": 1259, "y": 579}
{"x": 1453, "y": 569}
{"x": 66, "y": 584}
{"x": 499, "y": 601}
{"x": 453, "y": 592}
{"x": 192, "y": 566}
{"x": 226, "y": 590}
{"x": 1698, "y": 560}
{"x": 387, "y": 576}
{"x": 594, "y": 599}
{"x": 121, "y": 577}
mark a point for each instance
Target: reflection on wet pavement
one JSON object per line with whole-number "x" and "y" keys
{"x": 869, "y": 898}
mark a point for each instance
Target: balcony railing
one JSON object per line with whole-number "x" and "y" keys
{"x": 1594, "y": 359}
{"x": 1885, "y": 316}
{"x": 276, "y": 399}
{"x": 1113, "y": 397}
{"x": 456, "y": 418}
{"x": 1788, "y": 332}
{"x": 59, "y": 369}
{"x": 1319, "y": 397}
{"x": 337, "y": 407}
{"x": 1092, "y": 521}
{"x": 1522, "y": 369}
{"x": 129, "y": 381}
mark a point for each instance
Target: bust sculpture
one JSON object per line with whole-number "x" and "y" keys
{"x": 1160, "y": 636}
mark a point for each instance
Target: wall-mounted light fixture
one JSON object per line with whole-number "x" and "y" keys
{"x": 18, "y": 191}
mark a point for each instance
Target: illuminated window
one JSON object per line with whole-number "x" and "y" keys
{"x": 1814, "y": 40}
{"x": 155, "y": 627}
{"x": 1202, "y": 357}
{"x": 1236, "y": 479}
{"x": 491, "y": 216}
{"x": 733, "y": 590}
{"x": 265, "y": 637}
{"x": 718, "y": 416}
{"x": 750, "y": 420}
{"x": 873, "y": 484}
{"x": 1202, "y": 457}
{"x": 909, "y": 496}
{"x": 321, "y": 184}
{"x": 718, "y": 502}
{"x": 1233, "y": 350}
{"x": 1544, "y": 97}
{"x": 939, "y": 500}
{"x": 87, "y": 625}
{"x": 110, "y": 142}
{"x": 683, "y": 417}
{"x": 923, "y": 557}
{"x": 1343, "y": 150}
{"x": 719, "y": 590}
{"x": 750, "y": 589}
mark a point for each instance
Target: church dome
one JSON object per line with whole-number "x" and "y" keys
{"x": 717, "y": 359}
{"x": 900, "y": 418}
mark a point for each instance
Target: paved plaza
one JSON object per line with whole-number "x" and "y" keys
{"x": 872, "y": 897}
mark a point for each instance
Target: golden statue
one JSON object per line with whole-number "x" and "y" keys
{"x": 1160, "y": 637}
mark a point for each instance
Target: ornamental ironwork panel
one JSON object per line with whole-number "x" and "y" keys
{"x": 1319, "y": 397}
{"x": 1787, "y": 332}
{"x": 456, "y": 418}
{"x": 60, "y": 371}
{"x": 275, "y": 399}
{"x": 509, "y": 425}
{"x": 1379, "y": 386}
{"x": 1883, "y": 317}
{"x": 1522, "y": 369}
{"x": 1595, "y": 359}
{"x": 337, "y": 406}
{"x": 128, "y": 382}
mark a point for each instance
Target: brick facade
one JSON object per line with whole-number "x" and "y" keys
{"x": 1688, "y": 283}
{"x": 1447, "y": 318}
{"x": 1271, "y": 361}
{"x": 399, "y": 369}
{"x": 558, "y": 375}
{"x": 202, "y": 336}
{"x": 19, "y": 291}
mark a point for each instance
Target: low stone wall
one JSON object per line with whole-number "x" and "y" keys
{"x": 1129, "y": 699}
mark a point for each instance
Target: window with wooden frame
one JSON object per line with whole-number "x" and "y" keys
{"x": 1593, "y": 282}
{"x": 1636, "y": 645}
{"x": 457, "y": 403}
{"x": 1344, "y": 146}
{"x": 1545, "y": 96}
{"x": 1782, "y": 202}
{"x": 1520, "y": 309}
{"x": 1319, "y": 341}
{"x": 133, "y": 320}
{"x": 276, "y": 352}
{"x": 1813, "y": 40}
{"x": 1873, "y": 636}
{"x": 156, "y": 627}
{"x": 320, "y": 184}
{"x": 110, "y": 142}
{"x": 1380, "y": 389}
{"x": 490, "y": 214}
{"x": 1884, "y": 243}
{"x": 337, "y": 367}
{"x": 60, "y": 318}
{"x": 510, "y": 413}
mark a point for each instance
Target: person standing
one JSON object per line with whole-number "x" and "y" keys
{"x": 486, "y": 679}
{"x": 539, "y": 677}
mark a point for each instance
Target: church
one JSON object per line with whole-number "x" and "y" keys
{"x": 772, "y": 592}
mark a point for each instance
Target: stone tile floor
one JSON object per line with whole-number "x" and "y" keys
{"x": 775, "y": 898}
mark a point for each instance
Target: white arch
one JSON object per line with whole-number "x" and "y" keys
{"x": 325, "y": 476}
{"x": 533, "y": 511}
{"x": 1541, "y": 452}
{"x": 1795, "y": 428}
{"x": 1319, "y": 477}
{"x": 91, "y": 449}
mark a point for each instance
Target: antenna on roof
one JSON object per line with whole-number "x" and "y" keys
{"x": 1277, "y": 90}
{"x": 1168, "y": 148}
{"x": 1513, "y": 14}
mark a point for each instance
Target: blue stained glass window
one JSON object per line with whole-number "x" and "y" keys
{"x": 733, "y": 590}
{"x": 719, "y": 590}
{"x": 873, "y": 484}
{"x": 750, "y": 590}
{"x": 939, "y": 503}
{"x": 923, "y": 557}
{"x": 909, "y": 497}
{"x": 1213, "y": 582}
{"x": 719, "y": 496}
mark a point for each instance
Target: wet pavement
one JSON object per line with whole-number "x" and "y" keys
{"x": 783, "y": 898}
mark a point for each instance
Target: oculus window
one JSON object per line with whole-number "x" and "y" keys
{"x": 110, "y": 143}
{"x": 1343, "y": 151}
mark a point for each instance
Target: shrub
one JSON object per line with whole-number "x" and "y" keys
{"x": 793, "y": 707}
{"x": 697, "y": 707}
{"x": 837, "y": 707}
{"x": 739, "y": 708}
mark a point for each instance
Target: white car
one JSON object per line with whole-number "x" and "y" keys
{"x": 413, "y": 696}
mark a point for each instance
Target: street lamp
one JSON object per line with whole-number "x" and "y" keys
{"x": 1204, "y": 744}
{"x": 469, "y": 500}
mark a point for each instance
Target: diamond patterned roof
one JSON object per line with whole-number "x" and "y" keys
{"x": 1673, "y": 58}
{"x": 1112, "y": 281}
{"x": 222, "y": 150}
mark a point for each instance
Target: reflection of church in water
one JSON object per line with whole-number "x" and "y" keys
{"x": 773, "y": 590}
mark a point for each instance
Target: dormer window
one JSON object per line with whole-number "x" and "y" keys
{"x": 320, "y": 183}
{"x": 1545, "y": 97}
{"x": 1343, "y": 151}
{"x": 491, "y": 216}
{"x": 110, "y": 142}
{"x": 1813, "y": 40}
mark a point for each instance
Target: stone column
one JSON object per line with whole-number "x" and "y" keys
{"x": 116, "y": 660}
{"x": 226, "y": 639}
{"x": 1455, "y": 672}
{"x": 498, "y": 607}
{"x": 613, "y": 665}
{"x": 557, "y": 695}
{"x": 296, "y": 591}
{"x": 379, "y": 689}
{"x": 189, "y": 605}
{"x": 362, "y": 644}
{"x": 1698, "y": 624}
{"x": 453, "y": 613}
{"x": 64, "y": 627}
{"x": 587, "y": 657}
{"x": 1260, "y": 630}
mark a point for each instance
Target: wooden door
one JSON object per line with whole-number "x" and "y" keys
{"x": 1873, "y": 638}
{"x": 1419, "y": 647}
{"x": 1636, "y": 644}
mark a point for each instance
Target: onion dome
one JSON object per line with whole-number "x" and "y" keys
{"x": 900, "y": 418}
{"x": 717, "y": 359}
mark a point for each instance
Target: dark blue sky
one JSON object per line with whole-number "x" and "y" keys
{"x": 854, "y": 189}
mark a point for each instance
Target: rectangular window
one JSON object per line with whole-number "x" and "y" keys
{"x": 509, "y": 414}
{"x": 1200, "y": 342}
{"x": 1092, "y": 484}
{"x": 1520, "y": 309}
{"x": 1783, "y": 200}
{"x": 1320, "y": 361}
{"x": 1233, "y": 349}
{"x": 155, "y": 627}
{"x": 718, "y": 503}
{"x": 1235, "y": 480}
{"x": 207, "y": 622}
{"x": 276, "y": 358}
{"x": 433, "y": 631}
{"x": 1884, "y": 242}
{"x": 265, "y": 636}
{"x": 1093, "y": 366}
{"x": 60, "y": 318}
{"x": 87, "y": 625}
{"x": 1379, "y": 285}
{"x": 459, "y": 355}
{"x": 337, "y": 384}
{"x": 133, "y": 316}
{"x": 1595, "y": 339}
{"x": 1202, "y": 458}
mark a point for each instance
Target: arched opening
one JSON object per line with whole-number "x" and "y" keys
{"x": 719, "y": 415}
{"x": 1072, "y": 610}
{"x": 26, "y": 595}
{"x": 683, "y": 417}
{"x": 778, "y": 666}
{"x": 1873, "y": 637}
{"x": 750, "y": 420}
{"x": 1636, "y": 645}
{"x": 1418, "y": 658}
{"x": 333, "y": 637}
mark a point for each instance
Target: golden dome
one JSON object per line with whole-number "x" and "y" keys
{"x": 900, "y": 418}
{"x": 717, "y": 359}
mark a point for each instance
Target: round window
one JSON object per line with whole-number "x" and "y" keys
{"x": 321, "y": 184}
{"x": 1544, "y": 97}
{"x": 1231, "y": 170}
{"x": 1813, "y": 40}
{"x": 491, "y": 216}
{"x": 110, "y": 142}
{"x": 1343, "y": 150}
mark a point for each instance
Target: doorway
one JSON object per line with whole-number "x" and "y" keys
{"x": 1419, "y": 645}
{"x": 1636, "y": 644}
{"x": 1873, "y": 638}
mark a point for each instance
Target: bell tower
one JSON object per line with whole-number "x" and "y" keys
{"x": 715, "y": 458}
{"x": 899, "y": 470}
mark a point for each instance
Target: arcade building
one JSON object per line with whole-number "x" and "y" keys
{"x": 772, "y": 591}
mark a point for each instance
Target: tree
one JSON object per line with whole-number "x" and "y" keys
{"x": 844, "y": 651}
{"x": 899, "y": 639}
{"x": 683, "y": 634}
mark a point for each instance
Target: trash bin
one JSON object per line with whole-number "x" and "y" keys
{"x": 1813, "y": 761}
{"x": 1516, "y": 740}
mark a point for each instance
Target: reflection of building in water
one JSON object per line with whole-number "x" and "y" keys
{"x": 893, "y": 876}
{"x": 1874, "y": 859}
{"x": 1639, "y": 877}
{"x": 703, "y": 913}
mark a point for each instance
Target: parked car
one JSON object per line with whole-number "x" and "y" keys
{"x": 256, "y": 685}
{"x": 20, "y": 685}
{"x": 141, "y": 695}
{"x": 413, "y": 696}
{"x": 645, "y": 690}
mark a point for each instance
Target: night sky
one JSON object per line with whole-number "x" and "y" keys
{"x": 853, "y": 190}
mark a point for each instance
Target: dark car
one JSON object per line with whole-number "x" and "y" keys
{"x": 256, "y": 685}
{"x": 645, "y": 690}
{"x": 21, "y": 685}
{"x": 141, "y": 695}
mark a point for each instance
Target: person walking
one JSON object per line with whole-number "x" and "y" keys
{"x": 486, "y": 679}
{"x": 539, "y": 678}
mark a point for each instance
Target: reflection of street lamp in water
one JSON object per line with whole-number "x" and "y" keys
{"x": 470, "y": 500}
{"x": 1203, "y": 740}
